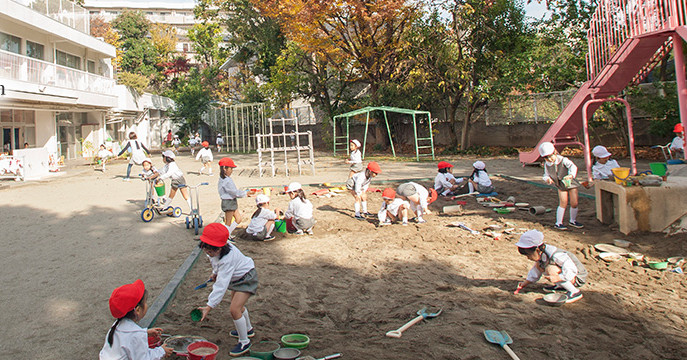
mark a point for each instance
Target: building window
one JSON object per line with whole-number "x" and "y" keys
{"x": 34, "y": 50}
{"x": 68, "y": 60}
{"x": 90, "y": 64}
{"x": 10, "y": 43}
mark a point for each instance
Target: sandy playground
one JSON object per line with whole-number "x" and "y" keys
{"x": 70, "y": 240}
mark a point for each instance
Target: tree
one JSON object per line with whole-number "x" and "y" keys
{"x": 164, "y": 38}
{"x": 131, "y": 25}
{"x": 191, "y": 97}
{"x": 99, "y": 27}
{"x": 206, "y": 38}
{"x": 138, "y": 53}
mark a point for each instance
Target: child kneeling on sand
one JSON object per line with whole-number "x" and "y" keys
{"x": 262, "y": 220}
{"x": 127, "y": 340}
{"x": 300, "y": 210}
{"x": 559, "y": 266}
{"x": 231, "y": 270}
{"x": 392, "y": 208}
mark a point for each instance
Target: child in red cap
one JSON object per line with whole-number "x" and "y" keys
{"x": 229, "y": 193}
{"x": 231, "y": 270}
{"x": 205, "y": 157}
{"x": 678, "y": 144}
{"x": 392, "y": 208}
{"x": 127, "y": 340}
{"x": 358, "y": 185}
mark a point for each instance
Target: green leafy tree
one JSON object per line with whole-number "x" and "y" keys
{"x": 138, "y": 52}
{"x": 164, "y": 38}
{"x": 206, "y": 38}
{"x": 192, "y": 97}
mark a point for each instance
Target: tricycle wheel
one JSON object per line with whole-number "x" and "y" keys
{"x": 147, "y": 215}
{"x": 177, "y": 212}
{"x": 188, "y": 223}
{"x": 195, "y": 226}
{"x": 200, "y": 221}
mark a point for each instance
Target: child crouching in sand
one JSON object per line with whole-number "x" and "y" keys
{"x": 392, "y": 208}
{"x": 300, "y": 210}
{"x": 559, "y": 266}
{"x": 126, "y": 340}
{"x": 262, "y": 221}
{"x": 231, "y": 270}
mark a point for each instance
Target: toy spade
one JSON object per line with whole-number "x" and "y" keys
{"x": 203, "y": 284}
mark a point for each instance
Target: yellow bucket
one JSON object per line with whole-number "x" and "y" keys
{"x": 621, "y": 174}
{"x": 267, "y": 190}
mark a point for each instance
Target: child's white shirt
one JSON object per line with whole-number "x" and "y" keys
{"x": 677, "y": 144}
{"x": 228, "y": 190}
{"x": 572, "y": 168}
{"x": 229, "y": 268}
{"x": 104, "y": 153}
{"x": 149, "y": 173}
{"x": 356, "y": 157}
{"x": 176, "y": 142}
{"x": 205, "y": 154}
{"x": 393, "y": 207}
{"x": 603, "y": 171}
{"x": 568, "y": 267}
{"x": 443, "y": 181}
{"x": 360, "y": 182}
{"x": 482, "y": 178}
{"x": 171, "y": 170}
{"x": 299, "y": 209}
{"x": 130, "y": 341}
{"x": 258, "y": 223}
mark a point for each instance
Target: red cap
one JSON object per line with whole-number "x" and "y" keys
{"x": 444, "y": 165}
{"x": 205, "y": 143}
{"x": 125, "y": 298}
{"x": 433, "y": 195}
{"x": 227, "y": 162}
{"x": 215, "y": 234}
{"x": 388, "y": 193}
{"x": 374, "y": 167}
{"x": 678, "y": 128}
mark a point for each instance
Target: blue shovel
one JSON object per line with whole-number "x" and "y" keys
{"x": 502, "y": 339}
{"x": 203, "y": 284}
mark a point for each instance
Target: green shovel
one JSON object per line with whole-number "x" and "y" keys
{"x": 502, "y": 339}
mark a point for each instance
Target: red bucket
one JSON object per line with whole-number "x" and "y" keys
{"x": 202, "y": 350}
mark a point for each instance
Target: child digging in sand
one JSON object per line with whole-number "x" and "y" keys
{"x": 419, "y": 198}
{"x": 262, "y": 220}
{"x": 392, "y": 208}
{"x": 559, "y": 266}
{"x": 231, "y": 270}
{"x": 126, "y": 340}
{"x": 445, "y": 183}
{"x": 300, "y": 210}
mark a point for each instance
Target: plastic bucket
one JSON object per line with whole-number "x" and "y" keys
{"x": 280, "y": 226}
{"x": 267, "y": 191}
{"x": 620, "y": 174}
{"x": 658, "y": 168}
{"x": 160, "y": 188}
{"x": 202, "y": 350}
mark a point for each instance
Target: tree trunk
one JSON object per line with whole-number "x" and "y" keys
{"x": 465, "y": 134}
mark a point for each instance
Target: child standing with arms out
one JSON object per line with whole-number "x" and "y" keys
{"x": 262, "y": 221}
{"x": 419, "y": 198}
{"x": 126, "y": 340}
{"x": 479, "y": 180}
{"x": 300, "y": 210}
{"x": 231, "y": 270}
{"x": 228, "y": 192}
{"x": 678, "y": 144}
{"x": 358, "y": 185}
{"x": 138, "y": 153}
{"x": 205, "y": 156}
{"x": 391, "y": 208}
{"x": 561, "y": 172}
{"x": 103, "y": 155}
{"x": 171, "y": 170}
{"x": 559, "y": 266}
{"x": 445, "y": 183}
{"x": 355, "y": 159}
{"x": 601, "y": 170}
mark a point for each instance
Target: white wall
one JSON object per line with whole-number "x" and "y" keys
{"x": 46, "y": 133}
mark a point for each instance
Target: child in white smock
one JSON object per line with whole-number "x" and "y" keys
{"x": 479, "y": 180}
{"x": 355, "y": 159}
{"x": 176, "y": 143}
{"x": 178, "y": 182}
{"x": 678, "y": 144}
{"x": 561, "y": 172}
{"x": 358, "y": 185}
{"x": 559, "y": 266}
{"x": 103, "y": 156}
{"x": 419, "y": 198}
{"x": 445, "y": 183}
{"x": 601, "y": 170}
{"x": 300, "y": 210}
{"x": 219, "y": 141}
{"x": 262, "y": 220}
{"x": 229, "y": 193}
{"x": 205, "y": 157}
{"x": 231, "y": 270}
{"x": 392, "y": 208}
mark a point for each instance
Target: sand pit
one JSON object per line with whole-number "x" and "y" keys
{"x": 351, "y": 282}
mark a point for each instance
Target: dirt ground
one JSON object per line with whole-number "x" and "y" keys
{"x": 69, "y": 240}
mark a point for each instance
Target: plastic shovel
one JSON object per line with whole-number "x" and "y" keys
{"x": 502, "y": 339}
{"x": 203, "y": 284}
{"x": 422, "y": 314}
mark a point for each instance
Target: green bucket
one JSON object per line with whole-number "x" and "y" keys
{"x": 658, "y": 168}
{"x": 280, "y": 226}
{"x": 160, "y": 188}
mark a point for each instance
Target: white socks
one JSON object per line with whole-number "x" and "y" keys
{"x": 245, "y": 316}
{"x": 560, "y": 212}
{"x": 242, "y": 330}
{"x": 382, "y": 216}
{"x": 356, "y": 206}
{"x": 573, "y": 214}
{"x": 231, "y": 227}
{"x": 471, "y": 187}
{"x": 567, "y": 285}
{"x": 269, "y": 231}
{"x": 364, "y": 203}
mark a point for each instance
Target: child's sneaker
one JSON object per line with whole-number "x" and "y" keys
{"x": 239, "y": 349}
{"x": 576, "y": 225}
{"x": 553, "y": 289}
{"x": 235, "y": 333}
{"x": 573, "y": 297}
{"x": 309, "y": 231}
{"x": 299, "y": 232}
{"x": 360, "y": 217}
{"x": 421, "y": 220}
{"x": 560, "y": 227}
{"x": 385, "y": 223}
{"x": 268, "y": 238}
{"x": 405, "y": 223}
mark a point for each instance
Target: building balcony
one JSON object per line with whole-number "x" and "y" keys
{"x": 64, "y": 11}
{"x": 23, "y": 68}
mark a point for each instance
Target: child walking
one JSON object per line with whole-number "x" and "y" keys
{"x": 178, "y": 182}
{"x": 176, "y": 143}
{"x": 103, "y": 155}
{"x": 355, "y": 159}
{"x": 219, "y": 141}
{"x": 601, "y": 170}
{"x": 561, "y": 172}
{"x": 392, "y": 207}
{"x": 479, "y": 180}
{"x": 262, "y": 220}
{"x": 231, "y": 270}
{"x": 228, "y": 192}
{"x": 300, "y": 210}
{"x": 358, "y": 184}
{"x": 559, "y": 266}
{"x": 192, "y": 143}
{"x": 419, "y": 198}
{"x": 126, "y": 340}
{"x": 205, "y": 156}
{"x": 445, "y": 183}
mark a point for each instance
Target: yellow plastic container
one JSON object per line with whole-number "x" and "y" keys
{"x": 621, "y": 174}
{"x": 267, "y": 190}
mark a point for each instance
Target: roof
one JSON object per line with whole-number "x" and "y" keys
{"x": 133, "y": 4}
{"x": 382, "y": 108}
